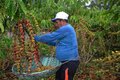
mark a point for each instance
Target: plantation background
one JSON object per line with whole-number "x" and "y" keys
{"x": 97, "y": 27}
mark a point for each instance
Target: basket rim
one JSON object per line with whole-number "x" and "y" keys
{"x": 34, "y": 72}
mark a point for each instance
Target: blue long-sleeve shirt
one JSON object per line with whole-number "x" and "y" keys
{"x": 65, "y": 41}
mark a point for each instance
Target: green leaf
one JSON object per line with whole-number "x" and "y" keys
{"x": 1, "y": 27}
{"x": 7, "y": 3}
{"x": 11, "y": 8}
{"x": 22, "y": 5}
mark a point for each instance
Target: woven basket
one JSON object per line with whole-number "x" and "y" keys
{"x": 46, "y": 61}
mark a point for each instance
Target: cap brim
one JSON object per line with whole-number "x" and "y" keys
{"x": 53, "y": 20}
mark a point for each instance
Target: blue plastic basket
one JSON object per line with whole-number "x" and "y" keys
{"x": 46, "y": 61}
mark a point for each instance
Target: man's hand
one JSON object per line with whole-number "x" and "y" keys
{"x": 44, "y": 32}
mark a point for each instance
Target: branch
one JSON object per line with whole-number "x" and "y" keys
{"x": 114, "y": 33}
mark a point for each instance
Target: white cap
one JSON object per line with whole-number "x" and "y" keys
{"x": 61, "y": 15}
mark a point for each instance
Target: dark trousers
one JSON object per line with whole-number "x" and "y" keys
{"x": 67, "y": 70}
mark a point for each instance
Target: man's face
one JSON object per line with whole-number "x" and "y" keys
{"x": 58, "y": 23}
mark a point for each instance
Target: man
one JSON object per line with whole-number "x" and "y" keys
{"x": 64, "y": 38}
